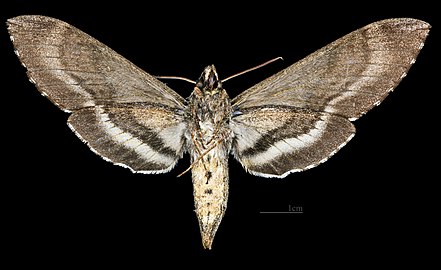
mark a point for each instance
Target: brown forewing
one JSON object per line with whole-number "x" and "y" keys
{"x": 347, "y": 77}
{"x": 75, "y": 70}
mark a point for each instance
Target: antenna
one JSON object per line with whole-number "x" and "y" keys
{"x": 176, "y": 78}
{"x": 224, "y": 80}
{"x": 253, "y": 68}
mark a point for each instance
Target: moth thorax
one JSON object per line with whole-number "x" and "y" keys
{"x": 209, "y": 82}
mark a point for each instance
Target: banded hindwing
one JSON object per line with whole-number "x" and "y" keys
{"x": 275, "y": 141}
{"x": 145, "y": 138}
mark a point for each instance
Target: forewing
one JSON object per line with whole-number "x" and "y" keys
{"x": 75, "y": 70}
{"x": 144, "y": 138}
{"x": 347, "y": 77}
{"x": 275, "y": 141}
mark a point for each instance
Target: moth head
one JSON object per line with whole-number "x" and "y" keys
{"x": 209, "y": 82}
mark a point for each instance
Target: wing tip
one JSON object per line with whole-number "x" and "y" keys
{"x": 27, "y": 18}
{"x": 416, "y": 24}
{"x": 14, "y": 23}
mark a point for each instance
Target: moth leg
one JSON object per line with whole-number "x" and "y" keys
{"x": 201, "y": 155}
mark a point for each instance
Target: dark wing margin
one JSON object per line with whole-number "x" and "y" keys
{"x": 144, "y": 138}
{"x": 347, "y": 77}
{"x": 276, "y": 141}
{"x": 75, "y": 70}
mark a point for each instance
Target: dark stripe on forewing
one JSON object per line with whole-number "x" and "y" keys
{"x": 331, "y": 138}
{"x": 293, "y": 127}
{"x": 89, "y": 126}
{"x": 118, "y": 153}
{"x": 129, "y": 124}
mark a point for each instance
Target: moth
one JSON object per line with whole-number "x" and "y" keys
{"x": 289, "y": 122}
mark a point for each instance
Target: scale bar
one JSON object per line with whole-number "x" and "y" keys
{"x": 282, "y": 212}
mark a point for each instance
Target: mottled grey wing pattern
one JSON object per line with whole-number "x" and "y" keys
{"x": 75, "y": 70}
{"x": 345, "y": 79}
{"x": 83, "y": 76}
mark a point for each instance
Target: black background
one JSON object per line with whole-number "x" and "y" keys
{"x": 371, "y": 203}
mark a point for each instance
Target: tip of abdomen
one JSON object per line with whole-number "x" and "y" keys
{"x": 208, "y": 225}
{"x": 207, "y": 240}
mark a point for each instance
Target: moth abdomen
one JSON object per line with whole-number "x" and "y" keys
{"x": 210, "y": 190}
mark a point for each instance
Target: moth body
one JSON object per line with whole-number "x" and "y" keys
{"x": 209, "y": 142}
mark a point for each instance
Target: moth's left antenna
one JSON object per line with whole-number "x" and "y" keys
{"x": 176, "y": 78}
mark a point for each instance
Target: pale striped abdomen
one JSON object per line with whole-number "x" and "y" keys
{"x": 210, "y": 190}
